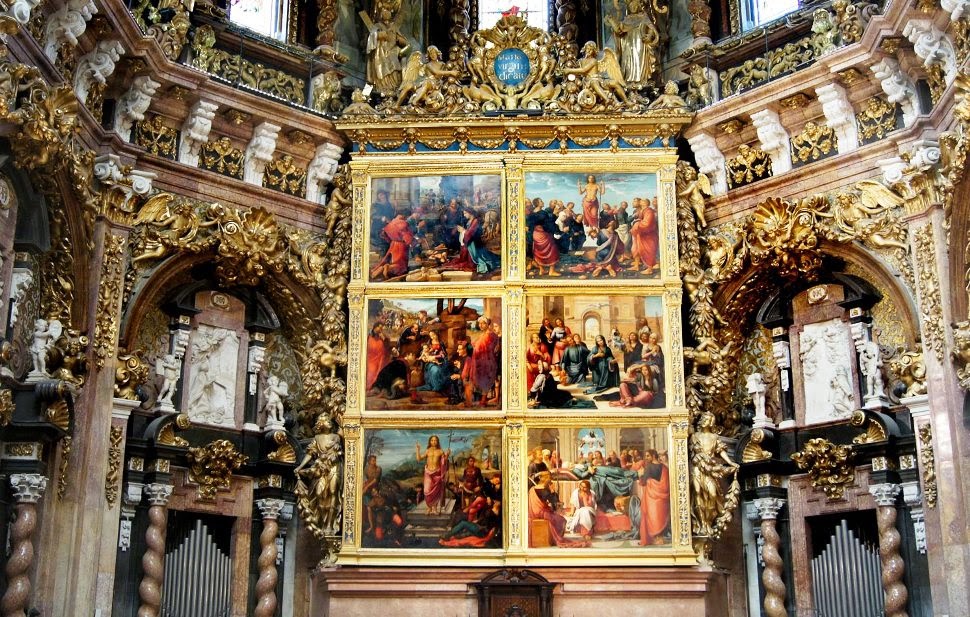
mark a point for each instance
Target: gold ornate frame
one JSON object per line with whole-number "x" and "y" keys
{"x": 513, "y": 417}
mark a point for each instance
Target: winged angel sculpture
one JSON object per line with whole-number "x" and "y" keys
{"x": 169, "y": 223}
{"x": 596, "y": 83}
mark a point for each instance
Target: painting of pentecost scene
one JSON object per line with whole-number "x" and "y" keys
{"x": 436, "y": 228}
{"x": 590, "y": 352}
{"x": 426, "y": 488}
{"x": 590, "y": 226}
{"x": 598, "y": 487}
{"x": 434, "y": 353}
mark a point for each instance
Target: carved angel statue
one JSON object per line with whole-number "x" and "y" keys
{"x": 670, "y": 99}
{"x": 700, "y": 90}
{"x": 45, "y": 334}
{"x": 597, "y": 82}
{"x": 855, "y": 216}
{"x": 423, "y": 81}
{"x": 385, "y": 45}
{"x": 318, "y": 481}
{"x": 710, "y": 464}
{"x": 168, "y": 368}
{"x": 637, "y": 41}
{"x": 755, "y": 384}
{"x": 168, "y": 224}
{"x": 870, "y": 363}
{"x": 825, "y": 32}
{"x": 694, "y": 187}
{"x": 275, "y": 391}
{"x": 326, "y": 92}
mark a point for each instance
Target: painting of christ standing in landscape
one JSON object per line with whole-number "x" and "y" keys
{"x": 591, "y": 352}
{"x": 432, "y": 488}
{"x": 436, "y": 228}
{"x": 598, "y": 487}
{"x": 434, "y": 353}
{"x": 590, "y": 226}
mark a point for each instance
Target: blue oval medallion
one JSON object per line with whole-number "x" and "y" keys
{"x": 512, "y": 66}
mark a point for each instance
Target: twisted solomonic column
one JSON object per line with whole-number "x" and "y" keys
{"x": 153, "y": 561}
{"x": 768, "y": 509}
{"x": 892, "y": 562}
{"x": 266, "y": 583}
{"x": 27, "y": 490}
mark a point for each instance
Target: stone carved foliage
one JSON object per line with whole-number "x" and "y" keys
{"x": 212, "y": 466}
{"x": 829, "y": 466}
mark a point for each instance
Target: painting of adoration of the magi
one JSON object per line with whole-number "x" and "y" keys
{"x": 436, "y": 229}
{"x": 590, "y": 226}
{"x": 598, "y": 487}
{"x": 598, "y": 351}
{"x": 432, "y": 488}
{"x": 434, "y": 354}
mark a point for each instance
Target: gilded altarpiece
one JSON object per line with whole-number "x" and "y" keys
{"x": 504, "y": 307}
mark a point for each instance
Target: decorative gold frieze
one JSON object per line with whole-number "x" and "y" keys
{"x": 815, "y": 142}
{"x": 891, "y": 44}
{"x": 878, "y": 119}
{"x": 799, "y": 100}
{"x": 283, "y": 175}
{"x": 829, "y": 466}
{"x": 130, "y": 373}
{"x": 852, "y": 16}
{"x": 851, "y": 76}
{"x": 236, "y": 69}
{"x": 928, "y": 282}
{"x": 221, "y": 157}
{"x": 928, "y": 464}
{"x": 66, "y": 447}
{"x": 113, "y": 475}
{"x": 159, "y": 139}
{"x": 167, "y": 21}
{"x": 936, "y": 80}
{"x": 212, "y": 466}
{"x": 874, "y": 432}
{"x": 750, "y": 165}
{"x": 237, "y": 117}
{"x": 732, "y": 126}
{"x": 298, "y": 137}
{"x": 167, "y": 435}
{"x": 109, "y": 293}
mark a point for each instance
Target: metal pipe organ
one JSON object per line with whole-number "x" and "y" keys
{"x": 846, "y": 577}
{"x": 198, "y": 577}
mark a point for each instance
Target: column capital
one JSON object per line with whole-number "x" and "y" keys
{"x": 158, "y": 494}
{"x": 885, "y": 494}
{"x": 769, "y": 507}
{"x": 28, "y": 487}
{"x": 270, "y": 508}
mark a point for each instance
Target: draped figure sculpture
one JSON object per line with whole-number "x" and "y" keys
{"x": 637, "y": 43}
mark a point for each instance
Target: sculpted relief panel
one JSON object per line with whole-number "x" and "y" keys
{"x": 826, "y": 371}
{"x": 212, "y": 386}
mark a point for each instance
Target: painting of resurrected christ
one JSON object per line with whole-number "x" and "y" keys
{"x": 591, "y": 226}
{"x": 436, "y": 229}
{"x": 432, "y": 488}
{"x": 434, "y": 353}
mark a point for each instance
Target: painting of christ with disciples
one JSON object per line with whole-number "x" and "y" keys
{"x": 598, "y": 487}
{"x": 598, "y": 351}
{"x": 590, "y": 226}
{"x": 434, "y": 353}
{"x": 432, "y": 488}
{"x": 436, "y": 228}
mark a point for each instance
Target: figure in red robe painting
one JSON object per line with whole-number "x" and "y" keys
{"x": 484, "y": 360}
{"x": 645, "y": 239}
{"x": 378, "y": 353}
{"x": 545, "y": 251}
{"x": 654, "y": 500}
{"x": 399, "y": 235}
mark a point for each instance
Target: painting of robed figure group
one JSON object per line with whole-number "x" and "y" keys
{"x": 434, "y": 354}
{"x": 432, "y": 488}
{"x": 598, "y": 487}
{"x": 595, "y": 351}
{"x": 436, "y": 228}
{"x": 590, "y": 226}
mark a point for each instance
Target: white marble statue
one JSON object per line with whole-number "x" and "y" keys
{"x": 276, "y": 389}
{"x": 840, "y": 394}
{"x": 168, "y": 368}
{"x": 45, "y": 333}
{"x": 212, "y": 389}
{"x": 870, "y": 361}
{"x": 826, "y": 355}
{"x": 756, "y": 388}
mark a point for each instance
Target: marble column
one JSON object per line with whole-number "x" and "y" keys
{"x": 27, "y": 490}
{"x": 153, "y": 566}
{"x": 768, "y": 509}
{"x": 268, "y": 552}
{"x": 889, "y": 540}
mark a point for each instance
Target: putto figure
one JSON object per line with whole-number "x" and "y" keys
{"x": 168, "y": 368}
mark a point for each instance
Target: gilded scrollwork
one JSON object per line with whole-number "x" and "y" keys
{"x": 750, "y": 164}
{"x": 67, "y": 444}
{"x": 908, "y": 368}
{"x": 156, "y": 137}
{"x": 109, "y": 293}
{"x": 131, "y": 373}
{"x": 815, "y": 142}
{"x": 167, "y": 21}
{"x": 928, "y": 285}
{"x": 113, "y": 474}
{"x": 222, "y": 157}
{"x": 961, "y": 352}
{"x": 927, "y": 464}
{"x": 212, "y": 466}
{"x": 878, "y": 119}
{"x": 830, "y": 467}
{"x": 285, "y": 176}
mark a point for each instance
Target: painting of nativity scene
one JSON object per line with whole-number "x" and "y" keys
{"x": 434, "y": 353}
{"x": 592, "y": 226}
{"x": 595, "y": 352}
{"x": 598, "y": 488}
{"x": 426, "y": 488}
{"x": 436, "y": 228}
